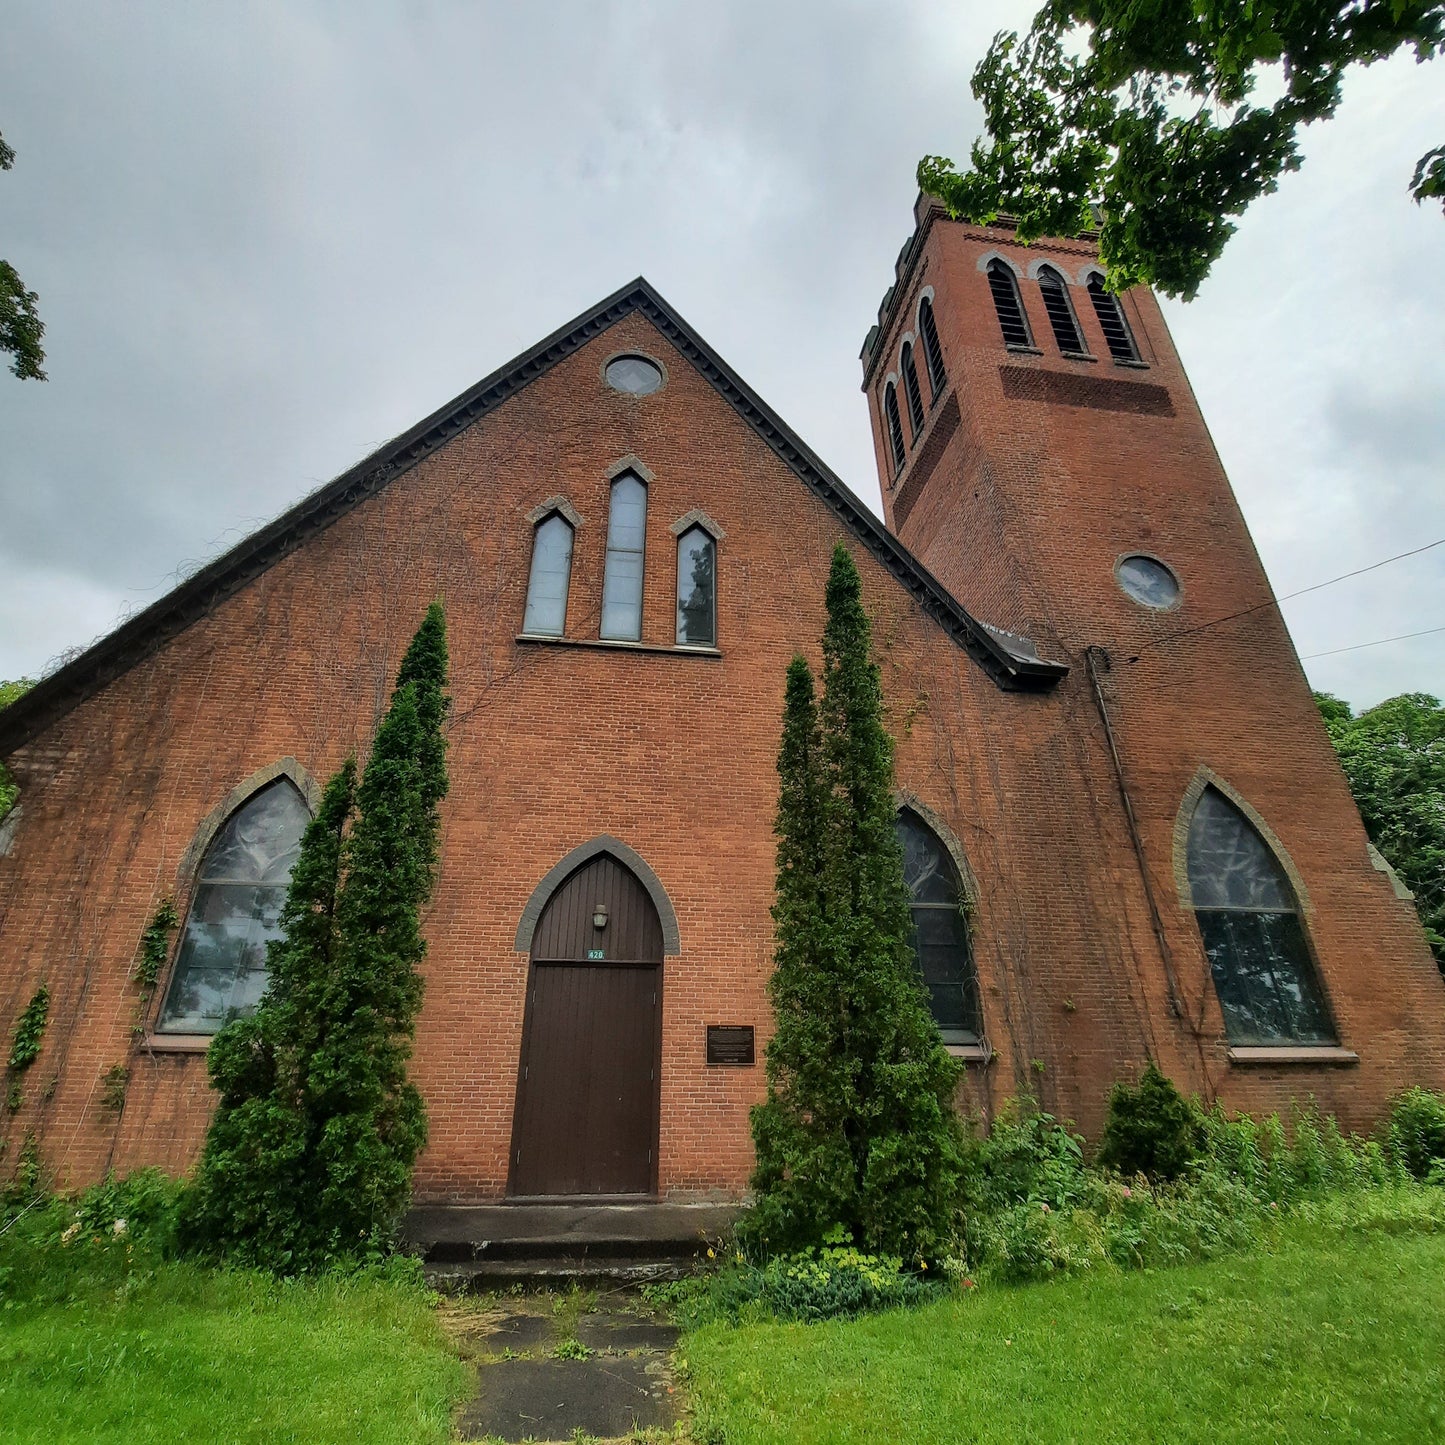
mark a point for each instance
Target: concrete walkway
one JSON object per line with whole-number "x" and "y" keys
{"x": 550, "y": 1365}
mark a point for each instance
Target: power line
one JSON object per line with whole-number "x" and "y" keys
{"x": 1379, "y": 642}
{"x": 1275, "y": 602}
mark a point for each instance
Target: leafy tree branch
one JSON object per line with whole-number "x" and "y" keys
{"x": 1146, "y": 125}
{"x": 20, "y": 325}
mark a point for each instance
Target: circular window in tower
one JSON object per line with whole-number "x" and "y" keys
{"x": 1148, "y": 581}
{"x": 635, "y": 375}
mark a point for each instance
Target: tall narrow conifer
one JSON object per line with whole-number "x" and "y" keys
{"x": 253, "y": 1190}
{"x": 310, "y": 1156}
{"x": 858, "y": 1127}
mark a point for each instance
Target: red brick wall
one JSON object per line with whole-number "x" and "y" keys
{"x": 552, "y": 745}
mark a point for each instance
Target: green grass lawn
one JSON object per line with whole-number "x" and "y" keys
{"x": 95, "y": 1351}
{"x": 1332, "y": 1338}
{"x": 1334, "y": 1334}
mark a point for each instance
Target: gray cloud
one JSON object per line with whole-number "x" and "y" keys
{"x": 267, "y": 238}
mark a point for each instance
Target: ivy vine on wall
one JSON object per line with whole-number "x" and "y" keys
{"x": 29, "y": 1031}
{"x": 155, "y": 944}
{"x": 25, "y": 1045}
{"x": 113, "y": 1084}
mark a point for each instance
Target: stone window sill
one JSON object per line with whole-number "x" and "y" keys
{"x": 1079, "y": 356}
{"x": 1301, "y": 1054}
{"x": 1132, "y": 365}
{"x": 176, "y": 1043}
{"x": 970, "y": 1053}
{"x": 1023, "y": 350}
{"x": 611, "y": 646}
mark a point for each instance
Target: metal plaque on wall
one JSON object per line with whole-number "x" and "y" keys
{"x": 730, "y": 1044}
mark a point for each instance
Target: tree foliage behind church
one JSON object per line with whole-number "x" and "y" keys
{"x": 1156, "y": 121}
{"x": 20, "y": 325}
{"x": 310, "y": 1152}
{"x": 9, "y": 789}
{"x": 1393, "y": 755}
{"x": 858, "y": 1127}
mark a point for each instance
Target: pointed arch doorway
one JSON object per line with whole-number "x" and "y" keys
{"x": 588, "y": 1083}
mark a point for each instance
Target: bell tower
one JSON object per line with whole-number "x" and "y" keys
{"x": 1041, "y": 452}
{"x": 1039, "y": 447}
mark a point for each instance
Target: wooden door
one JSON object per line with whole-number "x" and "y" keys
{"x": 586, "y": 1116}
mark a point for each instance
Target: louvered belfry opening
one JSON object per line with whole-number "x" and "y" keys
{"x": 932, "y": 351}
{"x": 587, "y": 1110}
{"x": 911, "y": 390}
{"x": 1061, "y": 313}
{"x": 1011, "y": 319}
{"x": 1111, "y": 318}
{"x": 895, "y": 427}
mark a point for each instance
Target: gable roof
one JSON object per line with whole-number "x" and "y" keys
{"x": 140, "y": 636}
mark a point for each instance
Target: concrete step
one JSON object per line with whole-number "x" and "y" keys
{"x": 542, "y": 1270}
{"x": 467, "y": 1246}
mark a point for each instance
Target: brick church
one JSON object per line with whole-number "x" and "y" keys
{"x": 1124, "y": 829}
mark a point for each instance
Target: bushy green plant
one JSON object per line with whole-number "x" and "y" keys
{"x": 141, "y": 1207}
{"x": 1416, "y": 1132}
{"x": 1026, "y": 1157}
{"x": 1151, "y": 1129}
{"x": 832, "y": 1281}
{"x": 858, "y": 1125}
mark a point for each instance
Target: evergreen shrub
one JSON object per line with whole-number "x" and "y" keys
{"x": 1151, "y": 1129}
{"x": 857, "y": 1128}
{"x": 309, "y": 1156}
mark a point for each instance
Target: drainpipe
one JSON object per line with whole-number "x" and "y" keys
{"x": 1092, "y": 655}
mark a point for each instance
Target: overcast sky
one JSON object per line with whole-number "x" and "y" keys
{"x": 267, "y": 237}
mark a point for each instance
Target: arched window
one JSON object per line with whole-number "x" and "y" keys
{"x": 1254, "y": 937}
{"x": 940, "y": 931}
{"x": 696, "y": 589}
{"x": 1061, "y": 311}
{"x": 1011, "y": 319}
{"x": 911, "y": 391}
{"x": 220, "y": 971}
{"x": 551, "y": 575}
{"x": 895, "y": 426}
{"x": 622, "y": 580}
{"x": 932, "y": 351}
{"x": 1111, "y": 319}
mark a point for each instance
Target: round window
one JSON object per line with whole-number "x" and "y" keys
{"x": 635, "y": 375}
{"x": 1149, "y": 583}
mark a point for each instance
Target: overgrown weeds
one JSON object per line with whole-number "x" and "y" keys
{"x": 1173, "y": 1183}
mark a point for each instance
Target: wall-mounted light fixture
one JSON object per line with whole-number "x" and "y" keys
{"x": 599, "y": 916}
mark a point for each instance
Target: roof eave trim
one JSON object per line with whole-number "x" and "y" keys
{"x": 140, "y": 636}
